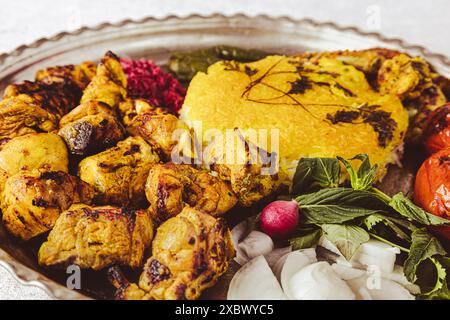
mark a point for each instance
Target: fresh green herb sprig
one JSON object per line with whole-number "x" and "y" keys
{"x": 350, "y": 216}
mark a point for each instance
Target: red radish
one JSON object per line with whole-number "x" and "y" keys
{"x": 280, "y": 218}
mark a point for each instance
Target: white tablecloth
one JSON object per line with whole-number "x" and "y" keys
{"x": 23, "y": 21}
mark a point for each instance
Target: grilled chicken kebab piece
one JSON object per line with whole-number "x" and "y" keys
{"x": 164, "y": 132}
{"x": 97, "y": 237}
{"x": 171, "y": 187}
{"x": 94, "y": 125}
{"x": 412, "y": 79}
{"x": 32, "y": 201}
{"x": 91, "y": 127}
{"x": 253, "y": 175}
{"x": 189, "y": 254}
{"x": 30, "y": 107}
{"x": 118, "y": 174}
{"x": 79, "y": 75}
{"x": 35, "y": 151}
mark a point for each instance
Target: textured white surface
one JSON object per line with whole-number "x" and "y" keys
{"x": 417, "y": 21}
{"x": 11, "y": 289}
{"x": 23, "y": 21}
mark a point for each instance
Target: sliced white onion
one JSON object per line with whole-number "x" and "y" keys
{"x": 371, "y": 253}
{"x": 310, "y": 253}
{"x": 255, "y": 281}
{"x": 363, "y": 294}
{"x": 256, "y": 244}
{"x": 295, "y": 261}
{"x": 327, "y": 244}
{"x": 318, "y": 281}
{"x": 275, "y": 255}
{"x": 241, "y": 258}
{"x": 347, "y": 273}
{"x": 387, "y": 289}
{"x": 377, "y": 253}
{"x": 278, "y": 266}
{"x": 399, "y": 276}
{"x": 237, "y": 233}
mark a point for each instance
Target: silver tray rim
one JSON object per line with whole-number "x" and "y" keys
{"x": 29, "y": 277}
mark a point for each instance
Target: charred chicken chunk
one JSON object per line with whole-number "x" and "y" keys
{"x": 91, "y": 127}
{"x": 57, "y": 98}
{"x": 189, "y": 254}
{"x": 22, "y": 115}
{"x": 170, "y": 187}
{"x": 109, "y": 84}
{"x": 32, "y": 201}
{"x": 368, "y": 61}
{"x": 97, "y": 237}
{"x": 247, "y": 182}
{"x": 413, "y": 80}
{"x": 119, "y": 173}
{"x": 253, "y": 172}
{"x": 130, "y": 108}
{"x": 164, "y": 132}
{"x": 36, "y": 106}
{"x": 79, "y": 75}
{"x": 404, "y": 76}
{"x": 36, "y": 151}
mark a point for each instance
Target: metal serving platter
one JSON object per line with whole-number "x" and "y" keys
{"x": 156, "y": 39}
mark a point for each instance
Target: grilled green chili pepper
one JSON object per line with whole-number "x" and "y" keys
{"x": 184, "y": 65}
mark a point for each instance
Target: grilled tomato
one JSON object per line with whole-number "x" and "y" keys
{"x": 432, "y": 187}
{"x": 437, "y": 129}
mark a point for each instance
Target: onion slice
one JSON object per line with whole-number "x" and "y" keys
{"x": 238, "y": 232}
{"x": 275, "y": 255}
{"x": 377, "y": 253}
{"x": 318, "y": 281}
{"x": 295, "y": 261}
{"x": 256, "y": 244}
{"x": 347, "y": 273}
{"x": 398, "y": 276}
{"x": 387, "y": 290}
{"x": 255, "y": 281}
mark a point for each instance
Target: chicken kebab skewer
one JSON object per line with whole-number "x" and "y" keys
{"x": 189, "y": 254}
{"x": 192, "y": 245}
{"x": 30, "y": 107}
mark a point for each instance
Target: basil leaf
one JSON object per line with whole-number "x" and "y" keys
{"x": 364, "y": 177}
{"x": 316, "y": 173}
{"x": 338, "y": 205}
{"x": 375, "y": 219}
{"x": 441, "y": 289}
{"x": 345, "y": 237}
{"x": 409, "y": 210}
{"x": 424, "y": 246}
{"x": 307, "y": 240}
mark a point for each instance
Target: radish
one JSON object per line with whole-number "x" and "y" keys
{"x": 279, "y": 218}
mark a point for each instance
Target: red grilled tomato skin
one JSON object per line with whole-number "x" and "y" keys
{"x": 437, "y": 129}
{"x": 432, "y": 187}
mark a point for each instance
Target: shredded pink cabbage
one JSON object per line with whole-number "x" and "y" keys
{"x": 147, "y": 81}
